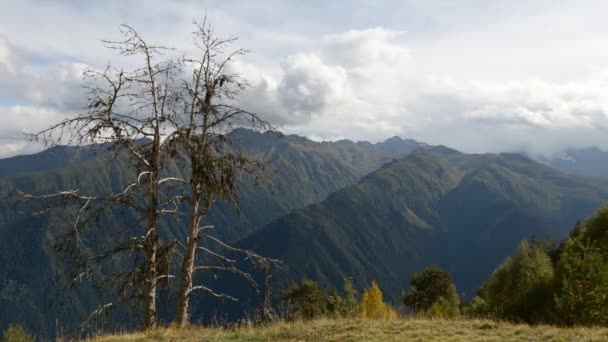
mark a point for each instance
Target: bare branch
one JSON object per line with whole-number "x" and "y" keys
{"x": 209, "y": 291}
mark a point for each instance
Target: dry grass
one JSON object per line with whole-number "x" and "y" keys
{"x": 358, "y": 330}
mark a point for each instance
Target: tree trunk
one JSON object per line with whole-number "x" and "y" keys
{"x": 150, "y": 279}
{"x": 151, "y": 242}
{"x": 189, "y": 256}
{"x": 150, "y": 249}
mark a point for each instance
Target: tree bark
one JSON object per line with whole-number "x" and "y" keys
{"x": 151, "y": 242}
{"x": 150, "y": 278}
{"x": 188, "y": 263}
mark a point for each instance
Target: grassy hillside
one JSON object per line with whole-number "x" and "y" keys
{"x": 356, "y": 330}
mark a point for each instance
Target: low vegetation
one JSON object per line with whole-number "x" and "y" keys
{"x": 432, "y": 293}
{"x": 373, "y": 305}
{"x": 16, "y": 333}
{"x": 373, "y": 330}
{"x": 565, "y": 284}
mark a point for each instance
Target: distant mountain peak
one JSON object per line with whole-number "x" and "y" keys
{"x": 393, "y": 139}
{"x": 441, "y": 150}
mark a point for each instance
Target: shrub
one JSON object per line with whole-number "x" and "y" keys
{"x": 372, "y": 305}
{"x": 477, "y": 307}
{"x": 444, "y": 308}
{"x": 521, "y": 289}
{"x": 16, "y": 333}
{"x": 305, "y": 301}
{"x": 433, "y": 293}
{"x": 582, "y": 295}
{"x": 344, "y": 304}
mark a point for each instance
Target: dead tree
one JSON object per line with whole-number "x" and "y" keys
{"x": 265, "y": 313}
{"x": 129, "y": 109}
{"x": 153, "y": 115}
{"x": 208, "y": 112}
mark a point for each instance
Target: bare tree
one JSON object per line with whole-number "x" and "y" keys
{"x": 209, "y": 111}
{"x": 170, "y": 110}
{"x": 130, "y": 111}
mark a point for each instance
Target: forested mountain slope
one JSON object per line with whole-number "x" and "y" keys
{"x": 465, "y": 213}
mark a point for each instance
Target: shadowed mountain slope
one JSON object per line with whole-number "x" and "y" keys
{"x": 465, "y": 213}
{"x": 302, "y": 172}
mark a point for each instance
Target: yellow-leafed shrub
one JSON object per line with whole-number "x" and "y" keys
{"x": 373, "y": 307}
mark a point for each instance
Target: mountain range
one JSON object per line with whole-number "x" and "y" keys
{"x": 302, "y": 172}
{"x": 465, "y": 213}
{"x": 329, "y": 210}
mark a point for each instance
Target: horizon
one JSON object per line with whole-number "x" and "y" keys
{"x": 539, "y": 157}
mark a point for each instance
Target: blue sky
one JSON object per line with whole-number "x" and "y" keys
{"x": 480, "y": 76}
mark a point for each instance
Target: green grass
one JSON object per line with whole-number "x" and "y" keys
{"x": 358, "y": 330}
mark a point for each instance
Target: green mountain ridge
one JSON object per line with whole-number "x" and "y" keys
{"x": 465, "y": 213}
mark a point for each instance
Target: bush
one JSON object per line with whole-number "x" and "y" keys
{"x": 444, "y": 308}
{"x": 550, "y": 283}
{"x": 345, "y": 304}
{"x": 16, "y": 333}
{"x": 477, "y": 308}
{"x": 372, "y": 305}
{"x": 582, "y": 295}
{"x": 521, "y": 289}
{"x": 433, "y": 293}
{"x": 305, "y": 301}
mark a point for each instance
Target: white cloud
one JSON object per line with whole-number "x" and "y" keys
{"x": 308, "y": 85}
{"x": 17, "y": 121}
{"x": 25, "y": 80}
{"x": 364, "y": 84}
{"x": 58, "y": 86}
{"x": 361, "y": 49}
{"x": 7, "y": 60}
{"x": 503, "y": 76}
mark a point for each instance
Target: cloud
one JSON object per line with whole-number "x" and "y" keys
{"x": 308, "y": 85}
{"x": 58, "y": 86}
{"x": 17, "y": 121}
{"x": 8, "y": 68}
{"x": 25, "y": 79}
{"x": 361, "y": 49}
{"x": 505, "y": 76}
{"x": 365, "y": 84}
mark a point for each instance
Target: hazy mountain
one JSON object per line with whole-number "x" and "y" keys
{"x": 592, "y": 162}
{"x": 465, "y": 213}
